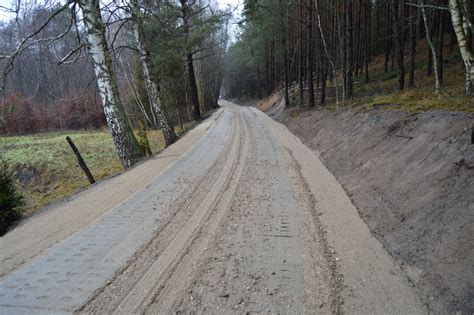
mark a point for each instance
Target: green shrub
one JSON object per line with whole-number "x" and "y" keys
{"x": 10, "y": 199}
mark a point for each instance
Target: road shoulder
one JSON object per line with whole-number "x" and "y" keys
{"x": 372, "y": 281}
{"x": 52, "y": 225}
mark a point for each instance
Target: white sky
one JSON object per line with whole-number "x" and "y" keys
{"x": 4, "y": 15}
{"x": 222, "y": 3}
{"x": 238, "y": 5}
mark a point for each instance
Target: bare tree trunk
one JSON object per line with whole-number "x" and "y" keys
{"x": 150, "y": 82}
{"x": 398, "y": 41}
{"x": 432, "y": 47}
{"x": 194, "y": 88}
{"x": 413, "y": 40}
{"x": 323, "y": 40}
{"x": 349, "y": 50}
{"x": 341, "y": 20}
{"x": 440, "y": 45}
{"x": 125, "y": 142}
{"x": 467, "y": 21}
{"x": 367, "y": 40}
{"x": 284, "y": 40}
{"x": 388, "y": 41}
{"x": 190, "y": 64}
{"x": 300, "y": 53}
{"x": 136, "y": 96}
{"x": 322, "y": 75}
{"x": 309, "y": 65}
{"x": 466, "y": 53}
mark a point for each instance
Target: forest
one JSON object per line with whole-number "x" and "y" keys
{"x": 63, "y": 66}
{"x": 334, "y": 51}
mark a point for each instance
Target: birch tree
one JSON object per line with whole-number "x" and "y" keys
{"x": 431, "y": 46}
{"x": 150, "y": 81}
{"x": 125, "y": 142}
{"x": 462, "y": 25}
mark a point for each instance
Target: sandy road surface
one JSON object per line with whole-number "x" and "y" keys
{"x": 59, "y": 221}
{"x": 248, "y": 220}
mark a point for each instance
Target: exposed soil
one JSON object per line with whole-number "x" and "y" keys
{"x": 411, "y": 177}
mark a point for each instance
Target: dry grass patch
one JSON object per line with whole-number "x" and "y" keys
{"x": 46, "y": 170}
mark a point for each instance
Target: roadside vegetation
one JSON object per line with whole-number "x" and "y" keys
{"x": 10, "y": 199}
{"x": 159, "y": 67}
{"x": 46, "y": 170}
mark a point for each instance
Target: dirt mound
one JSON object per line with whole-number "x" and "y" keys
{"x": 412, "y": 178}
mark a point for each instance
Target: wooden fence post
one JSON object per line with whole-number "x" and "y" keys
{"x": 80, "y": 160}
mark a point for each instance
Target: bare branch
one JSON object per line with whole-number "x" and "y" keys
{"x": 438, "y": 7}
{"x": 25, "y": 44}
{"x": 70, "y": 54}
{"x": 124, "y": 47}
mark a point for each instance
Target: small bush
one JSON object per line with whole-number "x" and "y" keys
{"x": 10, "y": 199}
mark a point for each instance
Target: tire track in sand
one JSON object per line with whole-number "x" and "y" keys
{"x": 185, "y": 244}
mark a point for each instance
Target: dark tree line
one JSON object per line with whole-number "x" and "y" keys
{"x": 314, "y": 44}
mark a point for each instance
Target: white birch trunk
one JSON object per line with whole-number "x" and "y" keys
{"x": 432, "y": 48}
{"x": 466, "y": 54}
{"x": 150, "y": 82}
{"x": 326, "y": 52}
{"x": 125, "y": 142}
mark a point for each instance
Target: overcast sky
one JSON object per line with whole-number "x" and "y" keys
{"x": 225, "y": 2}
{"x": 222, "y": 3}
{"x": 237, "y": 4}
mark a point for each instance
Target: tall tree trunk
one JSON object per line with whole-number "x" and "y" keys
{"x": 367, "y": 40}
{"x": 310, "y": 54}
{"x": 413, "y": 40}
{"x": 284, "y": 43}
{"x": 322, "y": 75}
{"x": 349, "y": 50}
{"x": 466, "y": 53}
{"x": 432, "y": 47}
{"x": 190, "y": 65}
{"x": 467, "y": 23}
{"x": 125, "y": 142}
{"x": 300, "y": 52}
{"x": 326, "y": 51}
{"x": 193, "y": 85}
{"x": 152, "y": 87}
{"x": 341, "y": 19}
{"x": 440, "y": 45}
{"x": 398, "y": 41}
{"x": 388, "y": 40}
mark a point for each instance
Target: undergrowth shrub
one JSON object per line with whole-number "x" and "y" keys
{"x": 10, "y": 200}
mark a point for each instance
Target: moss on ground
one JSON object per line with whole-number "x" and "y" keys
{"x": 381, "y": 92}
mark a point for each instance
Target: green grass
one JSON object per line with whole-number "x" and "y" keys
{"x": 46, "y": 169}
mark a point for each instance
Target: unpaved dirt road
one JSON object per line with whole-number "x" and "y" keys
{"x": 248, "y": 220}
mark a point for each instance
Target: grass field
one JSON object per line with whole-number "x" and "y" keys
{"x": 47, "y": 170}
